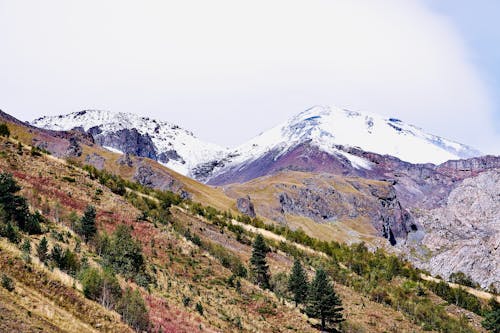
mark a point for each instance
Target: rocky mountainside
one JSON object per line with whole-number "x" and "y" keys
{"x": 337, "y": 174}
{"x": 464, "y": 234}
{"x": 194, "y": 259}
{"x": 310, "y": 141}
{"x": 166, "y": 143}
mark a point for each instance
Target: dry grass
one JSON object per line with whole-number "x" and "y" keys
{"x": 43, "y": 300}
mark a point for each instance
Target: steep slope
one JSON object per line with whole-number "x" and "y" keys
{"x": 169, "y": 144}
{"x": 464, "y": 235}
{"x": 81, "y": 148}
{"x": 186, "y": 273}
{"x": 330, "y": 207}
{"x": 313, "y": 135}
{"x": 325, "y": 128}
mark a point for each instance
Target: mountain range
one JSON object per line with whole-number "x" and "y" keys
{"x": 363, "y": 175}
{"x": 329, "y": 174}
{"x": 321, "y": 127}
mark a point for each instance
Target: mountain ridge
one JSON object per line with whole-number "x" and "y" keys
{"x": 320, "y": 126}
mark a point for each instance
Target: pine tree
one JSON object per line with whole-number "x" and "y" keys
{"x": 260, "y": 268}
{"x": 492, "y": 318}
{"x": 322, "y": 301}
{"x": 42, "y": 250}
{"x": 4, "y": 130}
{"x": 297, "y": 283}
{"x": 87, "y": 223}
{"x": 26, "y": 247}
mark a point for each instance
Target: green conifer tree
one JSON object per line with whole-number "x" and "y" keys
{"x": 322, "y": 301}
{"x": 42, "y": 250}
{"x": 87, "y": 223}
{"x": 4, "y": 130}
{"x": 297, "y": 283}
{"x": 258, "y": 262}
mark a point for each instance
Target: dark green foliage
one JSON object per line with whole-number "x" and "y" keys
{"x": 32, "y": 225}
{"x": 26, "y": 246}
{"x": 199, "y": 308}
{"x": 66, "y": 260}
{"x": 193, "y": 237}
{"x": 457, "y": 296}
{"x": 15, "y": 212}
{"x": 297, "y": 283}
{"x": 258, "y": 262}
{"x": 462, "y": 279}
{"x": 8, "y": 283}
{"x": 87, "y": 226}
{"x": 4, "y": 130}
{"x": 35, "y": 151}
{"x": 133, "y": 310}
{"x": 102, "y": 287}
{"x": 57, "y": 255}
{"x": 122, "y": 253}
{"x": 42, "y": 250}
{"x": 492, "y": 318}
{"x": 322, "y": 301}
{"x": 186, "y": 300}
{"x": 10, "y": 232}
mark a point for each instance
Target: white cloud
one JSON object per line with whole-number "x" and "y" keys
{"x": 228, "y": 69}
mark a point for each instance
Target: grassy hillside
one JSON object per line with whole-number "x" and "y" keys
{"x": 195, "y": 274}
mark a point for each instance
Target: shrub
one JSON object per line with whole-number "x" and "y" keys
{"x": 133, "y": 310}
{"x": 87, "y": 226}
{"x": 10, "y": 232}
{"x": 199, "y": 308}
{"x": 42, "y": 250}
{"x": 4, "y": 130}
{"x": 123, "y": 254}
{"x": 8, "y": 283}
{"x": 102, "y": 287}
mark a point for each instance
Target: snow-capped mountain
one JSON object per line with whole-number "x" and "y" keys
{"x": 325, "y": 128}
{"x": 167, "y": 143}
{"x": 317, "y": 131}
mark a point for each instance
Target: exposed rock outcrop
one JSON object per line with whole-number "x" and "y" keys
{"x": 245, "y": 206}
{"x": 129, "y": 141}
{"x": 74, "y": 149}
{"x": 95, "y": 160}
{"x": 125, "y": 160}
{"x": 464, "y": 235}
{"x": 160, "y": 179}
{"x": 375, "y": 201}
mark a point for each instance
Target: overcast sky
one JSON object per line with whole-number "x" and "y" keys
{"x": 229, "y": 69}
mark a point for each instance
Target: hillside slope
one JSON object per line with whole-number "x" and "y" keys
{"x": 192, "y": 255}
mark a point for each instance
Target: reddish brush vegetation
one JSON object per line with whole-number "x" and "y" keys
{"x": 47, "y": 188}
{"x": 143, "y": 231}
{"x": 168, "y": 317}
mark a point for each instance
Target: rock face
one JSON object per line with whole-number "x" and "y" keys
{"x": 162, "y": 141}
{"x": 326, "y": 198}
{"x": 157, "y": 178}
{"x": 125, "y": 160}
{"x": 95, "y": 160}
{"x": 129, "y": 141}
{"x": 245, "y": 206}
{"x": 464, "y": 235}
{"x": 74, "y": 149}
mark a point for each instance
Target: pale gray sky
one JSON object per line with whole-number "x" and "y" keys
{"x": 229, "y": 69}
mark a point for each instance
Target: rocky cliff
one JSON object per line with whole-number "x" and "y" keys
{"x": 464, "y": 234}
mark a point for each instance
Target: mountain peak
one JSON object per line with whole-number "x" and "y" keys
{"x": 329, "y": 126}
{"x": 170, "y": 144}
